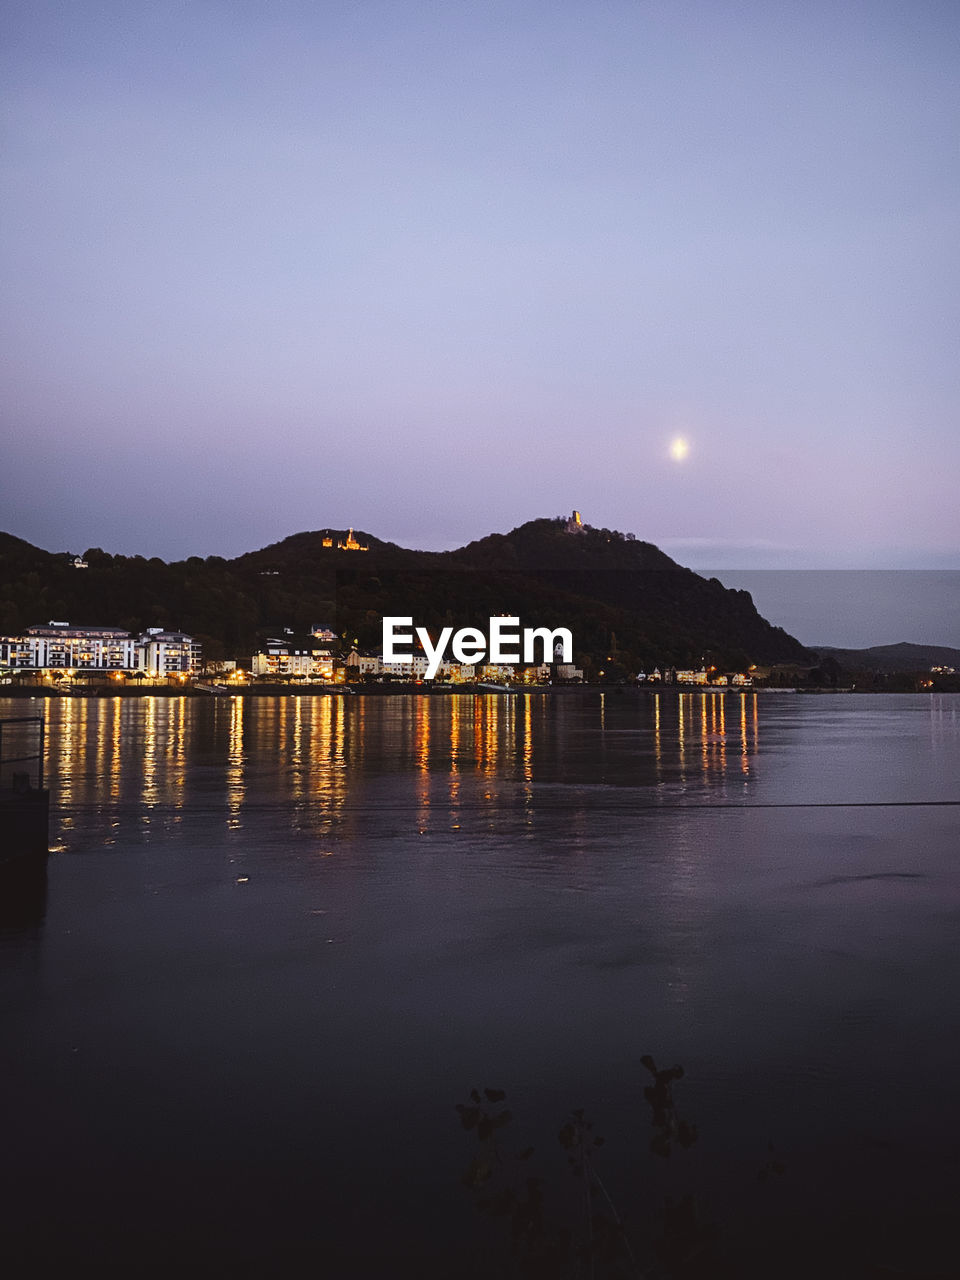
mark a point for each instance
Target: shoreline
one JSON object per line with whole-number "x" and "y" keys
{"x": 394, "y": 690}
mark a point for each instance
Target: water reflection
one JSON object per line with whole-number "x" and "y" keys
{"x": 145, "y": 762}
{"x": 944, "y": 721}
{"x": 422, "y": 755}
{"x": 151, "y": 757}
{"x": 236, "y": 788}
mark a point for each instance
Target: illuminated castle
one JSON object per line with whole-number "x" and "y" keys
{"x": 574, "y": 524}
{"x": 351, "y": 544}
{"x": 348, "y": 544}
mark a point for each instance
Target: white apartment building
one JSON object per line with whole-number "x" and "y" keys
{"x": 412, "y": 668}
{"x": 363, "y": 664}
{"x": 168, "y": 653}
{"x": 78, "y": 650}
{"x": 283, "y": 660}
{"x": 58, "y": 646}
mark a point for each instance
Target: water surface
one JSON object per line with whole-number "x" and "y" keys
{"x": 282, "y": 938}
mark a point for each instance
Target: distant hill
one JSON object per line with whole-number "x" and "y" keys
{"x": 624, "y": 599}
{"x": 627, "y": 603}
{"x": 889, "y": 658}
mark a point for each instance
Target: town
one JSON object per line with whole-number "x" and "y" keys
{"x": 60, "y": 656}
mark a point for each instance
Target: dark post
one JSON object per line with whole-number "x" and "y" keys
{"x": 24, "y": 809}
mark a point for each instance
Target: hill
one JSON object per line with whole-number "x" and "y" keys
{"x": 892, "y": 658}
{"x": 627, "y": 603}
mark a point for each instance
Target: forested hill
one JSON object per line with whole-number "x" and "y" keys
{"x": 627, "y": 603}
{"x": 888, "y": 658}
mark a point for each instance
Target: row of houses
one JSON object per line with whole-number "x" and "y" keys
{"x": 165, "y": 655}
{"x": 373, "y": 666}
{"x": 90, "y": 651}
{"x": 305, "y": 658}
{"x": 704, "y": 676}
{"x": 58, "y": 646}
{"x": 288, "y": 659}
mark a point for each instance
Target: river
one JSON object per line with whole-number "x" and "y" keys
{"x": 280, "y": 939}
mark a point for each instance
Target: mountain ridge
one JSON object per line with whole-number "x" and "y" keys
{"x": 902, "y": 656}
{"x": 628, "y": 604}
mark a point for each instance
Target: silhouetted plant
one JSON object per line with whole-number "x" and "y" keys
{"x": 682, "y": 1245}
{"x": 668, "y": 1127}
{"x": 606, "y": 1239}
{"x": 504, "y": 1188}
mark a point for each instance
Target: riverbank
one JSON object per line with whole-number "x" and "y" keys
{"x": 393, "y": 689}
{"x": 314, "y": 690}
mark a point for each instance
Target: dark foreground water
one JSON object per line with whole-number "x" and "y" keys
{"x": 281, "y": 939}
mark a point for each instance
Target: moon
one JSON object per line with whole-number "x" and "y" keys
{"x": 679, "y": 448}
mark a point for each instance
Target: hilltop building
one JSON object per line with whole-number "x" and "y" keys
{"x": 351, "y": 544}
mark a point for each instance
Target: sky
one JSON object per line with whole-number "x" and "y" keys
{"x": 856, "y": 608}
{"x": 434, "y": 269}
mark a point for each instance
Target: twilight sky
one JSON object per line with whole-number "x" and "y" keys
{"x": 433, "y": 269}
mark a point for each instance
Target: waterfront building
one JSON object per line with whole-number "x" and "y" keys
{"x": 363, "y": 663}
{"x": 692, "y": 677}
{"x": 58, "y": 646}
{"x": 534, "y": 675}
{"x": 496, "y": 672}
{"x": 293, "y": 658}
{"x": 568, "y": 672}
{"x": 457, "y": 672}
{"x": 15, "y": 653}
{"x": 168, "y": 653}
{"x": 412, "y": 668}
